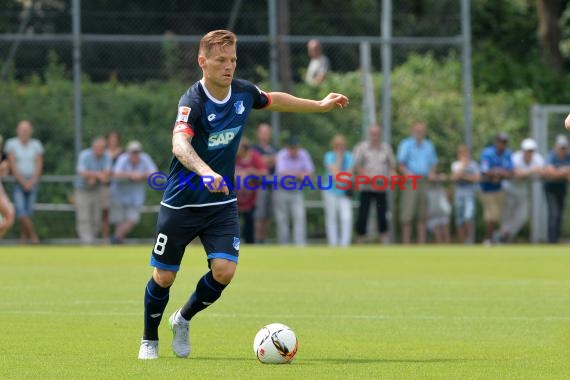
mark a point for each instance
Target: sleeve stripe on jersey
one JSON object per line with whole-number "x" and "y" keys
{"x": 268, "y": 99}
{"x": 182, "y": 127}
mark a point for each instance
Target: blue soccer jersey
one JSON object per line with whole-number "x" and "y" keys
{"x": 216, "y": 127}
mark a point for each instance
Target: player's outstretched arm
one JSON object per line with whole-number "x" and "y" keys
{"x": 185, "y": 153}
{"x": 283, "y": 102}
{"x": 567, "y": 122}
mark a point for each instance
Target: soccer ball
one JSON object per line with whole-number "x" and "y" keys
{"x": 275, "y": 344}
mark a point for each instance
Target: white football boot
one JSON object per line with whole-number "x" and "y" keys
{"x": 148, "y": 350}
{"x": 180, "y": 335}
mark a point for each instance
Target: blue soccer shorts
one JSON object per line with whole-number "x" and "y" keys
{"x": 217, "y": 227}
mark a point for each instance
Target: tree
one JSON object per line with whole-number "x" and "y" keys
{"x": 549, "y": 33}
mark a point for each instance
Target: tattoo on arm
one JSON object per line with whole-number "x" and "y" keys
{"x": 183, "y": 150}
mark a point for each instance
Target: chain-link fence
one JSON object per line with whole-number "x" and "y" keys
{"x": 137, "y": 59}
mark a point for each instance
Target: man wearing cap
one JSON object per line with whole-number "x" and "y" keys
{"x": 130, "y": 175}
{"x": 528, "y": 165}
{"x": 292, "y": 165}
{"x": 496, "y": 166}
{"x": 555, "y": 186}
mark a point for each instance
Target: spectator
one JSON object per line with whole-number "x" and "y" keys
{"x": 555, "y": 186}
{"x": 496, "y": 167}
{"x": 416, "y": 157}
{"x": 6, "y": 212}
{"x": 295, "y": 162}
{"x": 93, "y": 172}
{"x": 337, "y": 203}
{"x": 6, "y": 207}
{"x": 465, "y": 174}
{"x": 439, "y": 210}
{"x": 248, "y": 163}
{"x": 318, "y": 66}
{"x": 528, "y": 164}
{"x": 4, "y": 163}
{"x": 373, "y": 158}
{"x": 128, "y": 188}
{"x": 114, "y": 150}
{"x": 264, "y": 204}
{"x": 26, "y": 158}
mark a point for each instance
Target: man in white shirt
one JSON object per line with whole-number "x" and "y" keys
{"x": 26, "y": 159}
{"x": 528, "y": 165}
{"x": 319, "y": 64}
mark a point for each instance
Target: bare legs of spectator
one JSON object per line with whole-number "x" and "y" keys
{"x": 489, "y": 229}
{"x": 27, "y": 231}
{"x": 464, "y": 232}
{"x": 421, "y": 231}
{"x": 407, "y": 232}
{"x": 24, "y": 203}
{"x": 106, "y": 225}
{"x": 7, "y": 211}
{"x": 123, "y": 230}
{"x": 442, "y": 234}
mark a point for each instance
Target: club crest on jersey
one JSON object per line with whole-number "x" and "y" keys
{"x": 223, "y": 138}
{"x": 236, "y": 243}
{"x": 239, "y": 107}
{"x": 183, "y": 114}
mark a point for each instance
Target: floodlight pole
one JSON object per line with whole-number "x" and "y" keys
{"x": 77, "y": 110}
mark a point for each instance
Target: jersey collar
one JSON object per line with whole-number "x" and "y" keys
{"x": 223, "y": 101}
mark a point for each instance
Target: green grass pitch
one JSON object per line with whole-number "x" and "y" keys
{"x": 366, "y": 313}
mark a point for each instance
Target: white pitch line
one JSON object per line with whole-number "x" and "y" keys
{"x": 523, "y": 318}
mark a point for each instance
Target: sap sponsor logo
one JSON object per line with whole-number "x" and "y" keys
{"x": 211, "y": 117}
{"x": 183, "y": 114}
{"x": 221, "y": 139}
{"x": 239, "y": 107}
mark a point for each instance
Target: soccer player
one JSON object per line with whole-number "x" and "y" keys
{"x": 211, "y": 117}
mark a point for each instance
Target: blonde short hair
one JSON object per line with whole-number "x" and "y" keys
{"x": 216, "y": 38}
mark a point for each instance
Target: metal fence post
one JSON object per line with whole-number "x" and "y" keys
{"x": 467, "y": 72}
{"x": 77, "y": 109}
{"x": 274, "y": 67}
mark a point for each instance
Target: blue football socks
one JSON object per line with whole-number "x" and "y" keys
{"x": 207, "y": 292}
{"x": 155, "y": 300}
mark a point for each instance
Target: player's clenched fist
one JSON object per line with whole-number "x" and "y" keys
{"x": 215, "y": 183}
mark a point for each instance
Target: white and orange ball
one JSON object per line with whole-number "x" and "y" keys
{"x": 275, "y": 344}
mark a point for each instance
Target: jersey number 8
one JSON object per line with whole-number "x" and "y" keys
{"x": 161, "y": 240}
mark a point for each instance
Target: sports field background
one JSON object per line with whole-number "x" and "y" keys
{"x": 376, "y": 312}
